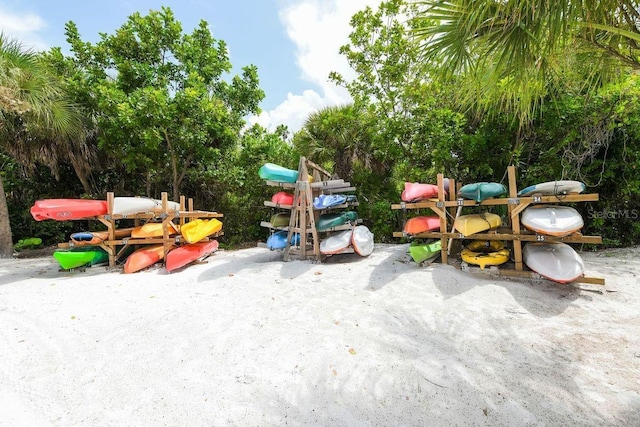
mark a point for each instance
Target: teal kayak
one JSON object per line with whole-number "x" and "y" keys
{"x": 78, "y": 257}
{"x": 327, "y": 221}
{"x": 480, "y": 191}
{"x": 422, "y": 252}
{"x": 273, "y": 172}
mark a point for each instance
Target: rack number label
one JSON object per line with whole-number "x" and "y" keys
{"x": 539, "y": 238}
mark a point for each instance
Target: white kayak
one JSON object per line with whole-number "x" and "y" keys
{"x": 134, "y": 205}
{"x": 336, "y": 243}
{"x": 552, "y": 220}
{"x": 553, "y": 188}
{"x": 362, "y": 240}
{"x": 555, "y": 261}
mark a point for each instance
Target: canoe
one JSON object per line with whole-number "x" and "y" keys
{"x": 280, "y": 219}
{"x": 555, "y": 261}
{"x": 326, "y": 201}
{"x": 273, "y": 172}
{"x": 480, "y": 191}
{"x": 136, "y": 205}
{"x": 88, "y": 238}
{"x": 553, "y": 188}
{"x": 330, "y": 220}
{"x": 421, "y": 224}
{"x": 153, "y": 229}
{"x": 143, "y": 258}
{"x": 414, "y": 191}
{"x": 362, "y": 240}
{"x": 336, "y": 243}
{"x": 278, "y": 240}
{"x": 485, "y": 252}
{"x": 179, "y": 257}
{"x": 67, "y": 209}
{"x": 425, "y": 251}
{"x": 475, "y": 223}
{"x": 198, "y": 229}
{"x": 78, "y": 257}
{"x": 282, "y": 198}
{"x": 552, "y": 220}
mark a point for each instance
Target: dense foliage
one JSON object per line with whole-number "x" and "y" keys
{"x": 161, "y": 113}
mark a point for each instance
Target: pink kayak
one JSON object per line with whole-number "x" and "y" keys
{"x": 67, "y": 209}
{"x": 414, "y": 192}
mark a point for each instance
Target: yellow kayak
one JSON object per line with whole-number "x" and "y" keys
{"x": 475, "y": 223}
{"x": 485, "y": 252}
{"x": 198, "y": 229}
{"x": 152, "y": 229}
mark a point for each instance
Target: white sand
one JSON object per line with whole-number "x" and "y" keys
{"x": 247, "y": 339}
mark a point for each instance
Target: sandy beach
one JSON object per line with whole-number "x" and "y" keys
{"x": 247, "y": 339}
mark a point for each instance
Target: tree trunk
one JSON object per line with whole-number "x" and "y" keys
{"x": 6, "y": 241}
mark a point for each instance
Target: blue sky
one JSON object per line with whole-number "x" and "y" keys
{"x": 294, "y": 43}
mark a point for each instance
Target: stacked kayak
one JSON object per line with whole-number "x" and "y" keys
{"x": 89, "y": 238}
{"x": 282, "y": 198}
{"x": 359, "y": 238}
{"x": 480, "y": 191}
{"x": 184, "y": 255}
{"x": 135, "y": 205}
{"x": 273, "y": 172}
{"x": 553, "y": 188}
{"x": 198, "y": 229}
{"x": 330, "y": 220}
{"x": 143, "y": 258}
{"x": 485, "y": 252}
{"x": 476, "y": 223}
{"x": 67, "y": 209}
{"x": 555, "y": 261}
{"x": 414, "y": 192}
{"x": 79, "y": 257}
{"x": 421, "y": 224}
{"x": 153, "y": 229}
{"x": 421, "y": 252}
{"x": 280, "y": 219}
{"x": 552, "y": 220}
{"x": 278, "y": 240}
{"x": 326, "y": 201}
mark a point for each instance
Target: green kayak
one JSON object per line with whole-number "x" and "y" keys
{"x": 422, "y": 252}
{"x": 78, "y": 257}
{"x": 327, "y": 221}
{"x": 280, "y": 220}
{"x": 480, "y": 191}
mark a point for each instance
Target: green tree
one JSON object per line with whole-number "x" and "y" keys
{"x": 161, "y": 98}
{"x": 38, "y": 122}
{"x": 515, "y": 55}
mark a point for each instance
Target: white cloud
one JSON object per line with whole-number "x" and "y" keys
{"x": 23, "y": 27}
{"x": 318, "y": 28}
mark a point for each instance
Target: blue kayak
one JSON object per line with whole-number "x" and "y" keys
{"x": 278, "y": 240}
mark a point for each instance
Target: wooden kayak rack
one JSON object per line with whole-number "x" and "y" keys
{"x": 117, "y": 247}
{"x": 448, "y": 208}
{"x": 303, "y": 215}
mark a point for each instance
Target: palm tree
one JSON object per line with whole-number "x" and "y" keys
{"x": 37, "y": 122}
{"x": 515, "y": 53}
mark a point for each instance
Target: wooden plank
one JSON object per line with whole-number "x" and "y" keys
{"x": 271, "y": 204}
{"x": 569, "y": 198}
{"x": 290, "y": 185}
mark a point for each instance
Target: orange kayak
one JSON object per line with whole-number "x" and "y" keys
{"x": 421, "y": 224}
{"x": 153, "y": 229}
{"x": 143, "y": 258}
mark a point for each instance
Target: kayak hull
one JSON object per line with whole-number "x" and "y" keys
{"x": 414, "y": 191}
{"x": 78, "y": 257}
{"x": 558, "y": 262}
{"x": 198, "y": 229}
{"x": 422, "y": 252}
{"x": 152, "y": 229}
{"x": 421, "y": 224}
{"x": 179, "y": 257}
{"x": 327, "y": 221}
{"x": 480, "y": 191}
{"x": 483, "y": 253}
{"x": 362, "y": 240}
{"x": 553, "y": 188}
{"x": 336, "y": 243}
{"x": 273, "y": 172}
{"x": 552, "y": 220}
{"x": 143, "y": 258}
{"x": 475, "y": 223}
{"x": 67, "y": 209}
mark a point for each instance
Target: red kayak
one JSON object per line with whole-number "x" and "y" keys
{"x": 414, "y": 192}
{"x": 282, "y": 198}
{"x": 183, "y": 255}
{"x": 144, "y": 257}
{"x": 422, "y": 224}
{"x": 67, "y": 209}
